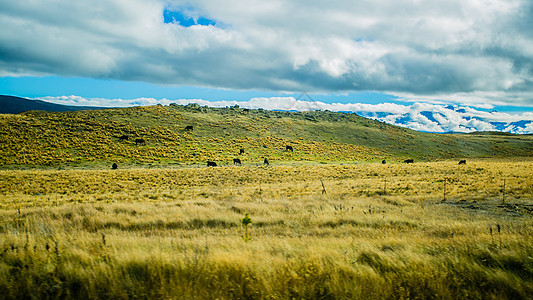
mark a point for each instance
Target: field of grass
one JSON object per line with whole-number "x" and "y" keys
{"x": 371, "y": 231}
{"x": 91, "y": 138}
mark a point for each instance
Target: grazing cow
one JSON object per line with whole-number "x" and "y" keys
{"x": 211, "y": 164}
{"x": 241, "y": 151}
{"x": 139, "y": 141}
{"x": 462, "y": 162}
{"x": 289, "y": 148}
{"x": 189, "y": 128}
{"x": 114, "y": 166}
{"x": 124, "y": 137}
{"x": 266, "y": 162}
{"x": 383, "y": 161}
{"x": 409, "y": 161}
{"x": 236, "y": 161}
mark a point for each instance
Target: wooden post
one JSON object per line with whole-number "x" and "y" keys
{"x": 323, "y": 187}
{"x": 503, "y": 192}
{"x": 444, "y": 192}
{"x": 499, "y": 234}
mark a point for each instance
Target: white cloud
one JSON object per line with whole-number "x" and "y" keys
{"x": 467, "y": 51}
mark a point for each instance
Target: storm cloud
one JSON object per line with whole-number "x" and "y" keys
{"x": 468, "y": 51}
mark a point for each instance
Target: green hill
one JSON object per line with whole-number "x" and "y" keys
{"x": 82, "y": 138}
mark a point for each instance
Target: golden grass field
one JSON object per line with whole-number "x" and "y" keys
{"x": 377, "y": 232}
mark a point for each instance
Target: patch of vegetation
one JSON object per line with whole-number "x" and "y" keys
{"x": 93, "y": 138}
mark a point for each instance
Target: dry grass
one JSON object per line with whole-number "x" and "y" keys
{"x": 91, "y": 138}
{"x": 176, "y": 233}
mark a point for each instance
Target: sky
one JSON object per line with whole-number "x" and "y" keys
{"x": 469, "y": 53}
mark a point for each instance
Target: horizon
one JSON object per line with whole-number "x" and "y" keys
{"x": 423, "y": 117}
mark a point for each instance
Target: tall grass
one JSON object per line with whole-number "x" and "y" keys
{"x": 177, "y": 233}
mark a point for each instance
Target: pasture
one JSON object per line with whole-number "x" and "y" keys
{"x": 422, "y": 230}
{"x": 158, "y": 136}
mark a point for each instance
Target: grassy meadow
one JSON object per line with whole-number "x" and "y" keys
{"x": 325, "y": 221}
{"x": 80, "y": 139}
{"x": 430, "y": 229}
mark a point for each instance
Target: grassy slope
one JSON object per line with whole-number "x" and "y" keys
{"x": 92, "y": 137}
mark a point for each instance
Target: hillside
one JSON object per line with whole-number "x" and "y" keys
{"x": 81, "y": 138}
{"x": 15, "y": 105}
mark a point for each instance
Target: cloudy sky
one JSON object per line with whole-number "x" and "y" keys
{"x": 474, "y": 53}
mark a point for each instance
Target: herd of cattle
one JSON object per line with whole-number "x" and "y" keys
{"x": 237, "y": 161}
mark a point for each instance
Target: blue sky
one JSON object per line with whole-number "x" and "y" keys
{"x": 177, "y": 16}
{"x": 449, "y": 52}
{"x": 91, "y": 88}
{"x": 38, "y": 87}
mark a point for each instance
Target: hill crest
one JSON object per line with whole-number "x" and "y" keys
{"x": 95, "y": 137}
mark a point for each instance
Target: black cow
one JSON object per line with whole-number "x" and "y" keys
{"x": 140, "y": 141}
{"x": 383, "y": 161}
{"x": 189, "y": 128}
{"x": 289, "y": 148}
{"x": 462, "y": 162}
{"x": 236, "y": 161}
{"x": 241, "y": 151}
{"x": 409, "y": 161}
{"x": 114, "y": 166}
{"x": 211, "y": 164}
{"x": 124, "y": 138}
{"x": 266, "y": 162}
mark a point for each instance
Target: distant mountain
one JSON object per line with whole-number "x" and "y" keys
{"x": 15, "y": 105}
{"x": 449, "y": 119}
